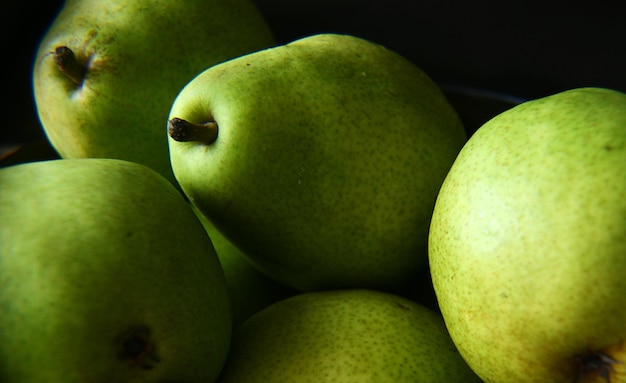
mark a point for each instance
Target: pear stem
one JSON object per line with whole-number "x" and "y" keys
{"x": 67, "y": 63}
{"x": 185, "y": 131}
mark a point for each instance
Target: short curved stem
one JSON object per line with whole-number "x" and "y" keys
{"x": 185, "y": 131}
{"x": 67, "y": 63}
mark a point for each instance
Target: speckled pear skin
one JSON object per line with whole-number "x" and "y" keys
{"x": 93, "y": 250}
{"x": 329, "y": 157}
{"x": 139, "y": 54}
{"x": 344, "y": 336}
{"x": 527, "y": 249}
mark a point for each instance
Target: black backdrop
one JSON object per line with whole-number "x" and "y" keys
{"x": 527, "y": 49}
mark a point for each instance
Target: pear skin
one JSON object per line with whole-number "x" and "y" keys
{"x": 106, "y": 72}
{"x": 107, "y": 275}
{"x": 527, "y": 250}
{"x": 344, "y": 336}
{"x": 250, "y": 290}
{"x": 320, "y": 159}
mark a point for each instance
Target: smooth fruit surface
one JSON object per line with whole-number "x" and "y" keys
{"x": 106, "y": 72}
{"x": 327, "y": 160}
{"x": 344, "y": 336}
{"x": 527, "y": 249}
{"x": 107, "y": 276}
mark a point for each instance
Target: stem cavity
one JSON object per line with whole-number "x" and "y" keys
{"x": 137, "y": 348}
{"x": 598, "y": 364}
{"x": 185, "y": 131}
{"x": 67, "y": 63}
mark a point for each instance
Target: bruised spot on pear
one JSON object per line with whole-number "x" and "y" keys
{"x": 137, "y": 348}
{"x": 185, "y": 131}
{"x": 68, "y": 64}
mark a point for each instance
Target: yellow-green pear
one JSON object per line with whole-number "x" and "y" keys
{"x": 528, "y": 242}
{"x": 320, "y": 159}
{"x": 107, "y": 72}
{"x": 344, "y": 336}
{"x": 106, "y": 275}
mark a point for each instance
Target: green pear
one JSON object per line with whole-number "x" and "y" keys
{"x": 344, "y": 336}
{"x": 527, "y": 249}
{"x": 107, "y": 275}
{"x": 320, "y": 159}
{"x": 107, "y": 72}
{"x": 250, "y": 290}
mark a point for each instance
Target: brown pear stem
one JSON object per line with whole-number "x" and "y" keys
{"x": 67, "y": 63}
{"x": 185, "y": 131}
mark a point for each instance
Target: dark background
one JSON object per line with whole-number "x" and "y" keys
{"x": 526, "y": 49}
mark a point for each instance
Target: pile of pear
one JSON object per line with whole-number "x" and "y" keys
{"x": 226, "y": 209}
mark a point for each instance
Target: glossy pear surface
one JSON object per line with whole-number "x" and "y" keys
{"x": 527, "y": 249}
{"x": 107, "y": 276}
{"x": 327, "y": 160}
{"x": 344, "y": 336}
{"x": 106, "y": 72}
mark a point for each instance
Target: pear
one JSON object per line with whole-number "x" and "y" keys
{"x": 320, "y": 159}
{"x": 527, "y": 249}
{"x": 107, "y": 275}
{"x": 250, "y": 290}
{"x": 344, "y": 336}
{"x": 106, "y": 72}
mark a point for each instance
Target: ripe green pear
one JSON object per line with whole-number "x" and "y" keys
{"x": 344, "y": 336}
{"x": 107, "y": 72}
{"x": 107, "y": 275}
{"x": 250, "y": 290}
{"x": 527, "y": 249}
{"x": 320, "y": 159}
